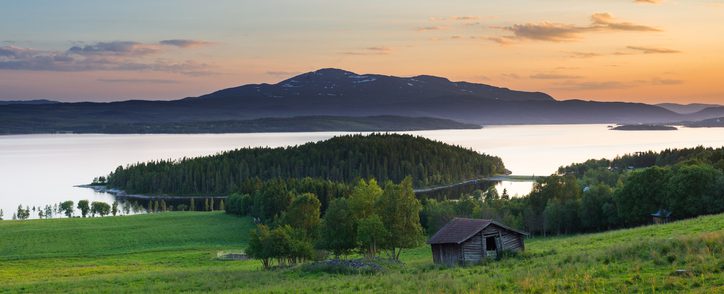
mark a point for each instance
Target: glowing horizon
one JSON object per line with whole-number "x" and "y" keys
{"x": 625, "y": 50}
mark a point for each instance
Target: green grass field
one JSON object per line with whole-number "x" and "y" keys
{"x": 175, "y": 252}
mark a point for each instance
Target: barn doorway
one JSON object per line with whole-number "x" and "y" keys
{"x": 491, "y": 246}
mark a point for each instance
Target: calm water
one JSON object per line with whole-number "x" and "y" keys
{"x": 42, "y": 169}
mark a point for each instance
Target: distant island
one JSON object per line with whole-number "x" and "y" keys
{"x": 343, "y": 159}
{"x": 644, "y": 128}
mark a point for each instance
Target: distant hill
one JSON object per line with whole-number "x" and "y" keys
{"x": 339, "y": 93}
{"x": 707, "y": 123}
{"x": 686, "y": 108}
{"x": 267, "y": 125}
{"x": 27, "y": 102}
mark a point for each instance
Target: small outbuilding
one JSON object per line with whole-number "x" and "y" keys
{"x": 466, "y": 241}
{"x": 661, "y": 216}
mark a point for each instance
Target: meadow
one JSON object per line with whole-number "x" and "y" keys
{"x": 176, "y": 252}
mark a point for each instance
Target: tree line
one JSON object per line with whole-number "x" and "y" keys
{"x": 343, "y": 159}
{"x": 87, "y": 208}
{"x": 602, "y": 194}
{"x": 67, "y": 208}
{"x": 293, "y": 226}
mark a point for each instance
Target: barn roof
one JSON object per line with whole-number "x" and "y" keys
{"x": 662, "y": 213}
{"x": 459, "y": 230}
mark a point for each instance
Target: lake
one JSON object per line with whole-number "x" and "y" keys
{"x": 43, "y": 169}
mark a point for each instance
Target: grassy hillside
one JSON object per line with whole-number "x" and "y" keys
{"x": 174, "y": 252}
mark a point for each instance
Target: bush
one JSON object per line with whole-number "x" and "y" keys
{"x": 345, "y": 267}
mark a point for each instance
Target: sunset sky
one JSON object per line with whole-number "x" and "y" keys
{"x": 608, "y": 50}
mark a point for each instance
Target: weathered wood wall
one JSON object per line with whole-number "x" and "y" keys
{"x": 473, "y": 249}
{"x": 446, "y": 253}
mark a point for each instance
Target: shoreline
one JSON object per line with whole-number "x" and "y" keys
{"x": 123, "y": 195}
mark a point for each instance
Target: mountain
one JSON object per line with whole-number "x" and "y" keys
{"x": 330, "y": 86}
{"x": 339, "y": 93}
{"x": 686, "y": 108}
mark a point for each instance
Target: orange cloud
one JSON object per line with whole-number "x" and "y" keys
{"x": 559, "y": 32}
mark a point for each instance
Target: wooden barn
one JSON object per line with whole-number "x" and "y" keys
{"x": 466, "y": 241}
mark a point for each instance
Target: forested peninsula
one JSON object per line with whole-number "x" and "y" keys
{"x": 342, "y": 159}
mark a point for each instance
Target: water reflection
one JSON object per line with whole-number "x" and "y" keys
{"x": 36, "y": 170}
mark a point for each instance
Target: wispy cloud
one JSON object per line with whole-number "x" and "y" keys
{"x": 183, "y": 43}
{"x": 454, "y": 18}
{"x": 369, "y": 51}
{"x": 116, "y": 48}
{"x": 465, "y": 18}
{"x": 648, "y": 1}
{"x": 282, "y": 73}
{"x": 606, "y": 22}
{"x": 560, "y": 32}
{"x": 629, "y": 50}
{"x": 611, "y": 85}
{"x": 102, "y": 56}
{"x": 652, "y": 50}
{"x": 579, "y": 54}
{"x": 553, "y": 76}
{"x": 430, "y": 28}
{"x": 665, "y": 82}
{"x": 139, "y": 81}
{"x": 603, "y": 85}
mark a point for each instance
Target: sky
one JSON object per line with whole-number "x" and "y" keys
{"x": 607, "y": 50}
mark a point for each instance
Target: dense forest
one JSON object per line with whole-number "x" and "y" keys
{"x": 340, "y": 159}
{"x": 369, "y": 219}
{"x": 603, "y": 194}
{"x": 597, "y": 195}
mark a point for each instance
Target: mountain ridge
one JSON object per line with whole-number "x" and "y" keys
{"x": 335, "y": 92}
{"x": 687, "y": 108}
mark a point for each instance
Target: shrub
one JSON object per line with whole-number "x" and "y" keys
{"x": 345, "y": 267}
